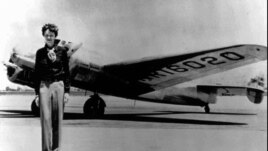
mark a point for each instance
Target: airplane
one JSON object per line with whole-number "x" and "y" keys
{"x": 151, "y": 79}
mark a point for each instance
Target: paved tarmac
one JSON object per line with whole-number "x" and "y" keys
{"x": 235, "y": 124}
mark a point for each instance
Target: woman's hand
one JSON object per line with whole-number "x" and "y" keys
{"x": 36, "y": 99}
{"x": 66, "y": 97}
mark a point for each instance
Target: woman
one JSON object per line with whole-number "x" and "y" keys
{"x": 52, "y": 86}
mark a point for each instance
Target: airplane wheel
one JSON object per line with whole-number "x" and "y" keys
{"x": 89, "y": 110}
{"x": 101, "y": 111}
{"x": 207, "y": 109}
{"x": 101, "y": 107}
{"x": 35, "y": 109}
{"x": 94, "y": 108}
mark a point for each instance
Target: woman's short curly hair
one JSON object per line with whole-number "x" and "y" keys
{"x": 51, "y": 27}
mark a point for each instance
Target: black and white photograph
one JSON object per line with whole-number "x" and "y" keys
{"x": 133, "y": 75}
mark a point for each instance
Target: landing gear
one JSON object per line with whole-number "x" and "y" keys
{"x": 35, "y": 108}
{"x": 207, "y": 109}
{"x": 94, "y": 107}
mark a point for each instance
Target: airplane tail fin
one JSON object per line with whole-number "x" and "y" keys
{"x": 257, "y": 82}
{"x": 255, "y": 95}
{"x": 255, "y": 90}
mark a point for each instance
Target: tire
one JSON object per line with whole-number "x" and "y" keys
{"x": 101, "y": 111}
{"x": 94, "y": 108}
{"x": 207, "y": 109}
{"x": 89, "y": 109}
{"x": 35, "y": 109}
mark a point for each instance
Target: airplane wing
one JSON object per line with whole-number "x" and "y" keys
{"x": 161, "y": 72}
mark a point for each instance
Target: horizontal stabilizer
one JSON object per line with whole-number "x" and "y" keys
{"x": 255, "y": 95}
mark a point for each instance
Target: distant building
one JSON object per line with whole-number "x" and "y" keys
{"x": 10, "y": 89}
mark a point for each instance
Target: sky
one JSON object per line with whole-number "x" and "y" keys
{"x": 119, "y": 30}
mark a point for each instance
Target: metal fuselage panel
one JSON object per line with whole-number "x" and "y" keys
{"x": 179, "y": 96}
{"x": 91, "y": 77}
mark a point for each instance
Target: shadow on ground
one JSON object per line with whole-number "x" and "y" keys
{"x": 147, "y": 117}
{"x": 138, "y": 117}
{"x": 16, "y": 114}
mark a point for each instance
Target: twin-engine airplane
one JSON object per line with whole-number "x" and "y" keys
{"x": 150, "y": 79}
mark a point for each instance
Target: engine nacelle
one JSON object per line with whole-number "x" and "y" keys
{"x": 21, "y": 61}
{"x": 19, "y": 75}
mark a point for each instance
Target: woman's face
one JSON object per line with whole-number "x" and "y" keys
{"x": 49, "y": 38}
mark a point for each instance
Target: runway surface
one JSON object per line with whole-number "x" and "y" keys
{"x": 235, "y": 124}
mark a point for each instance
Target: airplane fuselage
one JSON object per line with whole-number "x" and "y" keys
{"x": 137, "y": 79}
